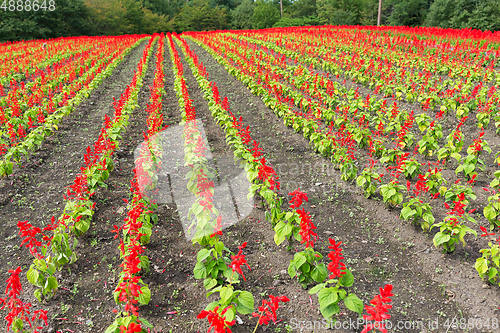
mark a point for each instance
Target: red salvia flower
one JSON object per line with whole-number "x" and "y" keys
{"x": 217, "y": 321}
{"x": 379, "y": 311}
{"x": 268, "y": 309}
{"x": 308, "y": 236}
{"x": 297, "y": 197}
{"x": 336, "y": 267}
{"x": 239, "y": 260}
{"x": 131, "y": 328}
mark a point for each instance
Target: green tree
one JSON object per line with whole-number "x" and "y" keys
{"x": 486, "y": 17}
{"x": 339, "y": 12}
{"x": 459, "y": 14}
{"x": 303, "y": 8}
{"x": 152, "y": 22}
{"x": 160, "y": 7}
{"x": 241, "y": 16}
{"x": 134, "y": 15}
{"x": 369, "y": 12}
{"x": 108, "y": 17}
{"x": 68, "y": 19}
{"x": 297, "y": 22}
{"x": 408, "y": 12}
{"x": 198, "y": 15}
{"x": 265, "y": 15}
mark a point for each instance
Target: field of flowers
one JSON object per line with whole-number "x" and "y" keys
{"x": 289, "y": 179}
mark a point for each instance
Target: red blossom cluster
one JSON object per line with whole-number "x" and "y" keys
{"x": 477, "y": 144}
{"x": 336, "y": 267}
{"x": 308, "y": 236}
{"x": 379, "y": 311}
{"x": 297, "y": 198}
{"x": 29, "y": 233}
{"x": 267, "y": 173}
{"x": 239, "y": 260}
{"x": 268, "y": 309}
{"x": 18, "y": 310}
{"x": 217, "y": 320}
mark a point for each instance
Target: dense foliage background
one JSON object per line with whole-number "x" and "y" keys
{"x": 115, "y": 17}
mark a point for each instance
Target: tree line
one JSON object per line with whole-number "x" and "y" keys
{"x": 116, "y": 17}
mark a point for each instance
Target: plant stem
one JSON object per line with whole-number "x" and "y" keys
{"x": 258, "y": 321}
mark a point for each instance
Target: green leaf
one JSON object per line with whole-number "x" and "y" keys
{"x": 219, "y": 246}
{"x": 209, "y": 283}
{"x": 329, "y": 310}
{"x": 200, "y": 272}
{"x": 38, "y": 294}
{"x": 327, "y": 296}
{"x": 51, "y": 283}
{"x": 246, "y": 299}
{"x": 347, "y": 279}
{"x": 407, "y": 212}
{"x": 146, "y": 323}
{"x": 299, "y": 260}
{"x": 225, "y": 294}
{"x": 490, "y": 213}
{"x": 291, "y": 270}
{"x": 440, "y": 238}
{"x": 492, "y": 273}
{"x": 112, "y": 328}
{"x": 353, "y": 303}
{"x": 145, "y": 295}
{"x": 32, "y": 276}
{"x": 319, "y": 273}
{"x": 481, "y": 266}
{"x": 203, "y": 254}
{"x": 317, "y": 288}
{"x": 361, "y": 181}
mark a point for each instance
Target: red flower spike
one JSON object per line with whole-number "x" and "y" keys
{"x": 216, "y": 320}
{"x": 379, "y": 311}
{"x": 239, "y": 260}
{"x": 308, "y": 236}
{"x": 297, "y": 197}
{"x": 336, "y": 267}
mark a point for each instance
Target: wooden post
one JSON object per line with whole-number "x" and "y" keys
{"x": 281, "y": 7}
{"x": 379, "y": 12}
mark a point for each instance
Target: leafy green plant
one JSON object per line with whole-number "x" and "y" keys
{"x": 451, "y": 232}
{"x": 366, "y": 181}
{"x": 212, "y": 266}
{"x": 419, "y": 212}
{"x": 40, "y": 275}
{"x": 434, "y": 179}
{"x": 430, "y": 141}
{"x": 454, "y": 144}
{"x": 451, "y": 229}
{"x": 472, "y": 161}
{"x": 349, "y": 170}
{"x": 410, "y": 168}
{"x": 392, "y": 193}
{"x": 492, "y": 210}
{"x": 488, "y": 265}
{"x": 331, "y": 292}
{"x": 423, "y": 121}
{"x": 307, "y": 267}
